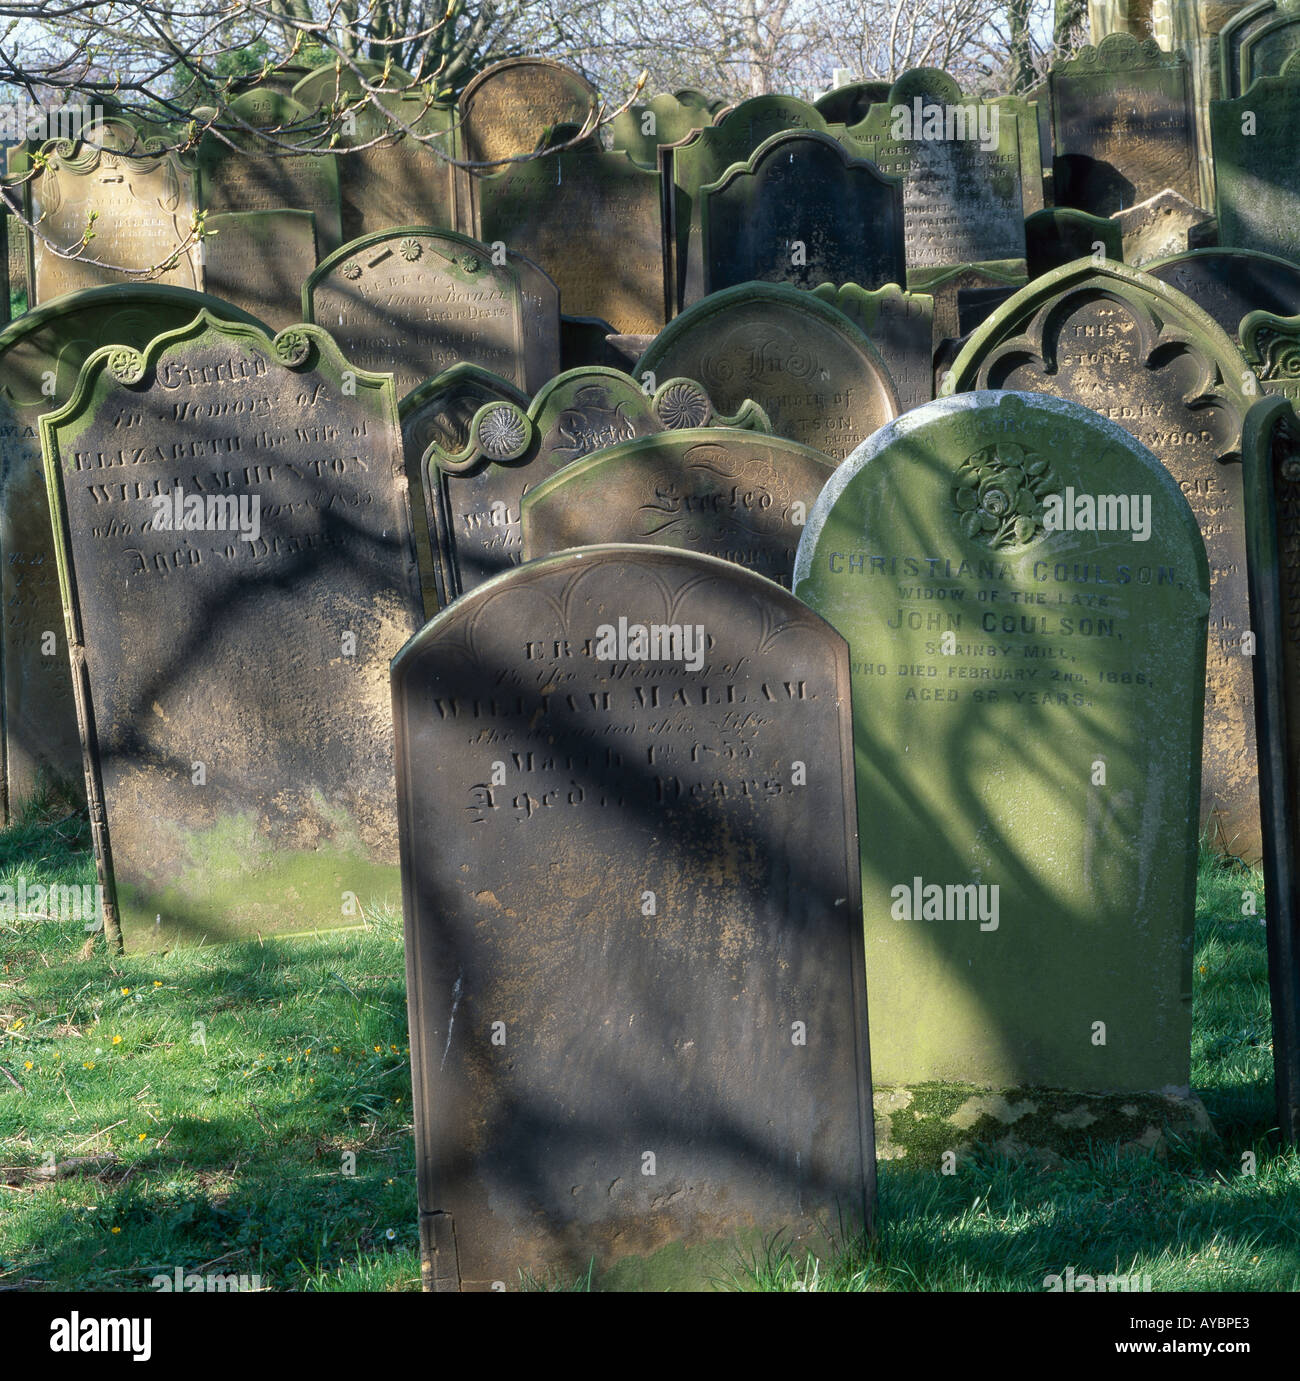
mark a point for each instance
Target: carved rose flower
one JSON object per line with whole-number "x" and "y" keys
{"x": 999, "y": 492}
{"x": 410, "y": 250}
{"x": 351, "y": 270}
{"x": 502, "y": 433}
{"x": 682, "y": 404}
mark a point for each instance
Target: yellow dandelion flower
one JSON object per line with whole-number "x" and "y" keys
{"x": 288, "y": 1059}
{"x": 27, "y": 1064}
{"x": 157, "y": 983}
{"x": 393, "y": 1048}
{"x": 18, "y": 1025}
{"x": 126, "y": 992}
{"x": 115, "y": 1231}
{"x": 144, "y": 1136}
{"x": 378, "y": 1048}
{"x": 1203, "y": 969}
{"x": 117, "y": 1040}
{"x": 336, "y": 1050}
{"x": 87, "y": 1064}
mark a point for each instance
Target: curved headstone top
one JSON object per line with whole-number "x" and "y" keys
{"x": 815, "y": 374}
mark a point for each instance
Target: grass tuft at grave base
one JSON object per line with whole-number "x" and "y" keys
{"x": 245, "y": 1111}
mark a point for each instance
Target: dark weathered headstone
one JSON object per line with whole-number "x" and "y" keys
{"x": 802, "y": 211}
{"x": 964, "y": 297}
{"x": 1163, "y": 225}
{"x": 814, "y": 373}
{"x": 960, "y": 164}
{"x": 1257, "y": 41}
{"x": 1059, "y": 235}
{"x": 142, "y": 201}
{"x": 1148, "y": 358}
{"x": 703, "y": 158}
{"x": 1257, "y": 167}
{"x": 1271, "y": 465}
{"x": 259, "y": 260}
{"x": 593, "y": 221}
{"x": 473, "y": 496}
{"x": 1271, "y": 345}
{"x": 584, "y": 342}
{"x": 726, "y": 493}
{"x": 609, "y": 868}
{"x": 233, "y": 696}
{"x": 40, "y": 356}
{"x": 1124, "y": 125}
{"x": 255, "y": 171}
{"x": 440, "y": 412}
{"x": 1027, "y": 725}
{"x": 414, "y": 301}
{"x": 399, "y": 180}
{"x": 1228, "y": 283}
{"x": 641, "y": 129}
{"x": 901, "y": 327}
{"x": 848, "y": 104}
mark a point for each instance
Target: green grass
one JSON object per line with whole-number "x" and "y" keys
{"x": 208, "y": 1098}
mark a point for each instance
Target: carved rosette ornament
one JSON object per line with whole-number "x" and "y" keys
{"x": 126, "y": 365}
{"x": 999, "y": 493}
{"x": 680, "y": 403}
{"x": 292, "y": 347}
{"x": 503, "y": 432}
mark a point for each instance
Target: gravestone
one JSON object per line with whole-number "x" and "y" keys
{"x": 900, "y": 325}
{"x": 719, "y": 1020}
{"x": 40, "y": 356}
{"x": 702, "y": 158}
{"x": 441, "y": 410}
{"x": 1271, "y": 345}
{"x": 960, "y": 164}
{"x": 847, "y": 104}
{"x": 1033, "y": 131}
{"x": 964, "y": 297}
{"x": 473, "y": 496}
{"x": 414, "y": 301}
{"x": 816, "y": 376}
{"x": 258, "y": 260}
{"x": 142, "y": 200}
{"x": 1027, "y": 725}
{"x": 1256, "y": 42}
{"x": 1148, "y": 358}
{"x": 1059, "y": 235}
{"x": 509, "y": 106}
{"x": 1123, "y": 125}
{"x": 1226, "y": 284}
{"x": 1257, "y": 186}
{"x": 235, "y": 550}
{"x": 1271, "y": 466}
{"x": 389, "y": 178}
{"x": 716, "y": 490}
{"x": 801, "y": 211}
{"x": 593, "y": 221}
{"x": 641, "y": 129}
{"x": 245, "y": 163}
{"x": 1163, "y": 225}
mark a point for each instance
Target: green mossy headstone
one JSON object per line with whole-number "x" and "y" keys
{"x": 238, "y": 567}
{"x": 703, "y": 158}
{"x": 1257, "y": 167}
{"x": 665, "y": 119}
{"x": 258, "y": 260}
{"x": 959, "y": 159}
{"x": 801, "y": 210}
{"x": 900, "y": 325}
{"x": 41, "y": 355}
{"x": 1027, "y": 726}
{"x": 1143, "y": 355}
{"x": 1059, "y": 235}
